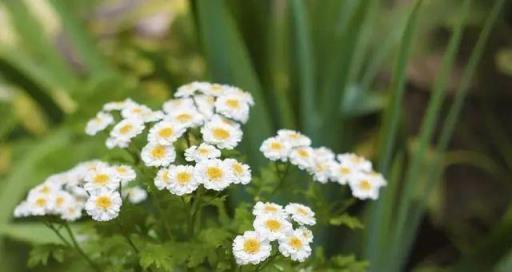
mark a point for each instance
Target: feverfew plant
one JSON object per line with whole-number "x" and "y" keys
{"x": 169, "y": 194}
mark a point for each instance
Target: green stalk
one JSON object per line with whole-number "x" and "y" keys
{"x": 79, "y": 249}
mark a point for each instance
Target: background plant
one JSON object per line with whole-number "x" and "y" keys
{"x": 323, "y": 68}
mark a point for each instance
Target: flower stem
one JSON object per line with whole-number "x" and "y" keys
{"x": 57, "y": 232}
{"x": 281, "y": 175}
{"x": 79, "y": 249}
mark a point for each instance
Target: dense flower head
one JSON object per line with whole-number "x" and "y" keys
{"x": 91, "y": 186}
{"x": 274, "y": 223}
{"x": 323, "y": 164}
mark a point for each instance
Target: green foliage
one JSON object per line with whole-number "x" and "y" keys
{"x": 346, "y": 220}
{"x": 40, "y": 255}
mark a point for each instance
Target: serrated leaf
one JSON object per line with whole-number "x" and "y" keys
{"x": 346, "y": 220}
{"x": 158, "y": 256}
{"x": 40, "y": 255}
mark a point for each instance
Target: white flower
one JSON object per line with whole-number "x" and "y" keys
{"x": 118, "y": 105}
{"x": 141, "y": 113}
{"x": 355, "y": 162}
{"x": 306, "y": 234}
{"x": 274, "y": 148}
{"x": 295, "y": 246}
{"x": 324, "y": 153}
{"x": 186, "y": 117}
{"x": 241, "y": 172}
{"x": 40, "y": 204}
{"x": 201, "y": 152}
{"x": 302, "y": 157}
{"x": 251, "y": 248}
{"x": 173, "y": 105}
{"x": 222, "y": 133}
{"x": 189, "y": 89}
{"x": 22, "y": 210}
{"x": 233, "y": 106}
{"x": 46, "y": 188}
{"x": 125, "y": 173}
{"x": 162, "y": 179}
{"x": 301, "y": 214}
{"x": 182, "y": 179}
{"x": 366, "y": 185}
{"x": 165, "y": 133}
{"x": 72, "y": 212}
{"x": 213, "y": 174}
{"x": 104, "y": 206}
{"x": 213, "y": 89}
{"x": 135, "y": 194}
{"x": 321, "y": 169}
{"x": 98, "y": 123}
{"x": 62, "y": 200}
{"x": 268, "y": 209}
{"x": 103, "y": 177}
{"x": 124, "y": 131}
{"x": 294, "y": 138}
{"x": 158, "y": 155}
{"x": 272, "y": 227}
{"x": 342, "y": 173}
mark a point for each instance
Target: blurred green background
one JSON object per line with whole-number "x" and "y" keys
{"x": 423, "y": 88}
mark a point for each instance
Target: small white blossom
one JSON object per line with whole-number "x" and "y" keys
{"x": 302, "y": 157}
{"x": 154, "y": 154}
{"x": 222, "y": 133}
{"x": 125, "y": 173}
{"x": 306, "y": 234}
{"x": 241, "y": 172}
{"x": 294, "y": 138}
{"x": 366, "y": 185}
{"x": 268, "y": 209}
{"x": 275, "y": 149}
{"x": 233, "y": 106}
{"x": 355, "y": 162}
{"x": 295, "y": 246}
{"x": 141, "y": 113}
{"x": 301, "y": 214}
{"x": 272, "y": 227}
{"x": 124, "y": 131}
{"x": 165, "y": 133}
{"x": 98, "y": 123}
{"x": 135, "y": 194}
{"x": 104, "y": 206}
{"x": 214, "y": 174}
{"x": 201, "y": 152}
{"x": 251, "y": 248}
{"x": 182, "y": 179}
{"x": 186, "y": 117}
{"x": 103, "y": 177}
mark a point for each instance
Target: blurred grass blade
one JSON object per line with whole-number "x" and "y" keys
{"x": 306, "y": 66}
{"x": 229, "y": 62}
{"x": 387, "y": 137}
{"x": 80, "y": 38}
{"x": 392, "y": 114}
{"x": 413, "y": 174}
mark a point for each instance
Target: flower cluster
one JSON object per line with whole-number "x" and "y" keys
{"x": 275, "y": 223}
{"x": 93, "y": 186}
{"x": 216, "y": 111}
{"x": 323, "y": 164}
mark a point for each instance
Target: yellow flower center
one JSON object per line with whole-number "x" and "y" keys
{"x": 203, "y": 151}
{"x": 166, "y": 132}
{"x": 303, "y": 153}
{"x": 252, "y": 246}
{"x": 101, "y": 179}
{"x": 183, "y": 178}
{"x": 165, "y": 176}
{"x": 216, "y": 88}
{"x": 214, "y": 173}
{"x": 158, "y": 152}
{"x": 184, "y": 117}
{"x": 270, "y": 209}
{"x": 220, "y": 133}
{"x": 121, "y": 170}
{"x": 273, "y": 225}
{"x": 233, "y": 103}
{"x": 104, "y": 202}
{"x": 345, "y": 170}
{"x": 276, "y": 146}
{"x": 365, "y": 185}
{"x": 302, "y": 211}
{"x": 294, "y": 136}
{"x": 59, "y": 201}
{"x": 126, "y": 129}
{"x": 295, "y": 243}
{"x": 238, "y": 169}
{"x": 41, "y": 202}
{"x": 44, "y": 190}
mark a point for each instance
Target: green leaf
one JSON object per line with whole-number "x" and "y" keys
{"x": 349, "y": 264}
{"x": 346, "y": 220}
{"x": 40, "y": 255}
{"x": 156, "y": 255}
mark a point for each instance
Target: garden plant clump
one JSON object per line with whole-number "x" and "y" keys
{"x": 162, "y": 201}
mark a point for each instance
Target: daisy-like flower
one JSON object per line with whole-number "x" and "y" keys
{"x": 40, "y": 204}
{"x": 124, "y": 131}
{"x": 268, "y": 209}
{"x": 306, "y": 234}
{"x": 162, "y": 179}
{"x": 125, "y": 173}
{"x": 205, "y": 105}
{"x": 119, "y": 105}
{"x": 165, "y": 133}
{"x": 213, "y": 89}
{"x": 98, "y": 123}
{"x": 366, "y": 185}
{"x": 186, "y": 117}
{"x": 355, "y": 162}
{"x": 302, "y": 157}
{"x": 301, "y": 214}
{"x": 182, "y": 179}
{"x": 104, "y": 205}
{"x": 72, "y": 212}
{"x": 22, "y": 210}
{"x": 324, "y": 153}
{"x": 62, "y": 200}
{"x": 233, "y": 106}
{"x": 251, "y": 248}
{"x": 295, "y": 246}
{"x": 222, "y": 133}
{"x": 103, "y": 177}
{"x": 241, "y": 171}
{"x": 201, "y": 152}
{"x": 45, "y": 188}
{"x": 173, "y": 105}
{"x": 189, "y": 89}
{"x": 272, "y": 227}
{"x": 321, "y": 169}
{"x": 213, "y": 174}
{"x": 154, "y": 154}
{"x": 135, "y": 194}
{"x": 141, "y": 113}
{"x": 275, "y": 149}
{"x": 294, "y": 138}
